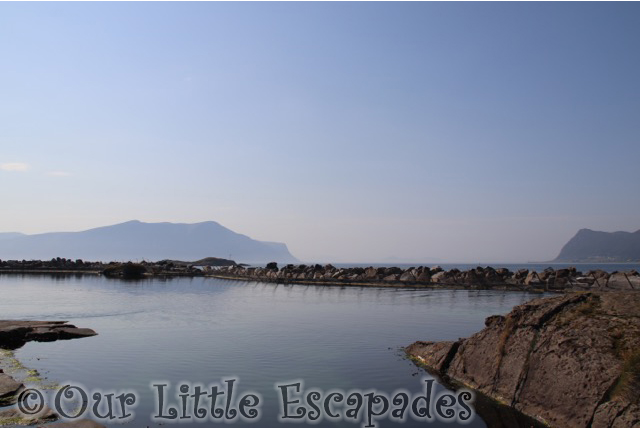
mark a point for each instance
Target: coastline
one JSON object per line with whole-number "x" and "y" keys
{"x": 567, "y": 361}
{"x": 560, "y": 280}
{"x": 13, "y": 335}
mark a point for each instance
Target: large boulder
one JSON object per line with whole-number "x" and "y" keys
{"x": 568, "y": 361}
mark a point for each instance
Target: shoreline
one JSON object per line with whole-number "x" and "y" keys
{"x": 567, "y": 360}
{"x": 14, "y": 334}
{"x": 551, "y": 280}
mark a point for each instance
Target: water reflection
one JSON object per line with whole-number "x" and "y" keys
{"x": 203, "y": 329}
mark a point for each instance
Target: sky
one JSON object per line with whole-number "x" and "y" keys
{"x": 353, "y": 132}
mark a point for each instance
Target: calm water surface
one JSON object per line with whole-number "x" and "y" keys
{"x": 202, "y": 330}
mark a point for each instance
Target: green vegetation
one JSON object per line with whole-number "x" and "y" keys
{"x": 13, "y": 366}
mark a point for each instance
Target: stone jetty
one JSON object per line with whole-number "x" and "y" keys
{"x": 550, "y": 279}
{"x": 553, "y": 280}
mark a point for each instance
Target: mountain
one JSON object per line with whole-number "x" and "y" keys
{"x": 135, "y": 240}
{"x": 598, "y": 247}
{"x": 10, "y": 235}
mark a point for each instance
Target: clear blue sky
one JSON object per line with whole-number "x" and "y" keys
{"x": 350, "y": 131}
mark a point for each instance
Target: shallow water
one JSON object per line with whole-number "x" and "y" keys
{"x": 202, "y": 330}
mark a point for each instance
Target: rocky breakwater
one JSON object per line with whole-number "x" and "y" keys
{"x": 422, "y": 276}
{"x": 55, "y": 265}
{"x": 127, "y": 270}
{"x": 567, "y": 361}
{"x": 13, "y": 335}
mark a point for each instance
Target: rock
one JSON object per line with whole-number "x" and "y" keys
{"x": 623, "y": 281}
{"x": 436, "y": 355}
{"x": 438, "y": 277}
{"x": 407, "y": 277}
{"x": 272, "y": 266}
{"x": 560, "y": 359}
{"x": 9, "y": 389}
{"x": 424, "y": 276}
{"x": 18, "y": 418}
{"x": 14, "y": 334}
{"x": 615, "y": 414}
{"x": 532, "y": 279}
{"x": 371, "y": 273}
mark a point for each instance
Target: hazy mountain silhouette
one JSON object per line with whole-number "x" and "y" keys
{"x": 135, "y": 240}
{"x": 9, "y": 235}
{"x": 592, "y": 246}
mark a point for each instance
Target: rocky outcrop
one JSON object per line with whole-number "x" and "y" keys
{"x": 14, "y": 334}
{"x": 568, "y": 361}
{"x": 561, "y": 280}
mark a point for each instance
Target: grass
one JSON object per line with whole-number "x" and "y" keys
{"x": 507, "y": 330}
{"x": 587, "y": 309}
{"x": 628, "y": 386}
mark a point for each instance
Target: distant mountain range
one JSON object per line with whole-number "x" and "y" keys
{"x": 135, "y": 240}
{"x": 601, "y": 247}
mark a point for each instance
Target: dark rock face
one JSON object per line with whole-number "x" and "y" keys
{"x": 14, "y": 334}
{"x": 569, "y": 361}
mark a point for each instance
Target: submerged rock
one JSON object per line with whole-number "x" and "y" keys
{"x": 569, "y": 361}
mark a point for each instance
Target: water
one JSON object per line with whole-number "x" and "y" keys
{"x": 202, "y": 330}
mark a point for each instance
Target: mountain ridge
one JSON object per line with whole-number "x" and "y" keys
{"x": 136, "y": 240}
{"x": 601, "y": 247}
